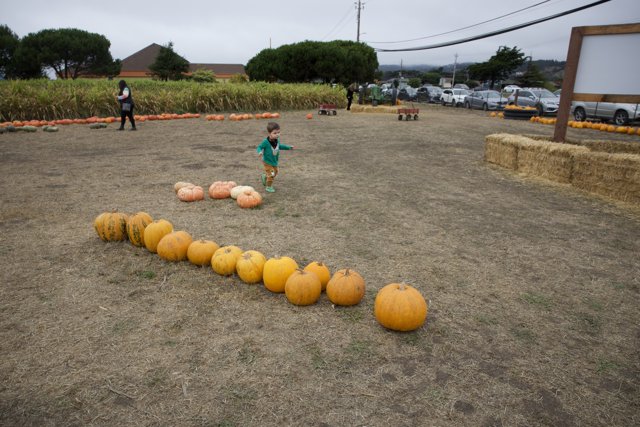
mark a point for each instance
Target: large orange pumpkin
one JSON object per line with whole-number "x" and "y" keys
{"x": 249, "y": 199}
{"x": 135, "y": 227}
{"x": 346, "y": 287}
{"x": 191, "y": 193}
{"x": 321, "y": 270}
{"x": 276, "y": 272}
{"x": 181, "y": 184}
{"x": 156, "y": 231}
{"x": 250, "y": 265}
{"x": 224, "y": 260}
{"x": 174, "y": 246}
{"x": 221, "y": 189}
{"x": 400, "y": 307}
{"x": 111, "y": 226}
{"x": 201, "y": 251}
{"x": 302, "y": 288}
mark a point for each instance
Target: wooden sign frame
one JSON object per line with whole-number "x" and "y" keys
{"x": 571, "y": 70}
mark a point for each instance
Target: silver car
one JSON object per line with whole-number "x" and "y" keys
{"x": 540, "y": 98}
{"x": 485, "y": 100}
{"x": 618, "y": 113}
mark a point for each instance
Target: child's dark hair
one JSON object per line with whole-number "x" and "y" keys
{"x": 271, "y": 126}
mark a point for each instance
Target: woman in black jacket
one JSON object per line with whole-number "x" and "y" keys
{"x": 126, "y": 105}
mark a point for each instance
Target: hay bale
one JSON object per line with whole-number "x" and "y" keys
{"x": 549, "y": 160}
{"x": 502, "y": 149}
{"x": 612, "y": 175}
{"x": 605, "y": 146}
{"x": 359, "y": 108}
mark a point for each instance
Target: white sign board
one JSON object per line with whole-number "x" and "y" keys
{"x": 609, "y": 64}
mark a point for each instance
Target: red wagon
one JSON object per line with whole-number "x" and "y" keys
{"x": 408, "y": 113}
{"x": 328, "y": 109}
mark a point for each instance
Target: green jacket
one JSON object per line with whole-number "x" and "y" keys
{"x": 270, "y": 155}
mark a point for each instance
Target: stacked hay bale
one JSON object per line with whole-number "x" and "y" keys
{"x": 599, "y": 167}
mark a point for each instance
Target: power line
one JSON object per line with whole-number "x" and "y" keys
{"x": 497, "y": 32}
{"x": 349, "y": 12}
{"x": 465, "y": 28}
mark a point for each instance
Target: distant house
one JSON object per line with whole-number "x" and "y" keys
{"x": 137, "y": 65}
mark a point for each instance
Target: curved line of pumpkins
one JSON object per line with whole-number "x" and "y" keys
{"x": 398, "y": 306}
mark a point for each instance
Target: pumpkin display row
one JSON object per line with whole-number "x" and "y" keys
{"x": 398, "y": 306}
{"x": 244, "y": 195}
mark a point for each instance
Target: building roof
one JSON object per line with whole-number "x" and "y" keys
{"x": 219, "y": 69}
{"x": 138, "y": 63}
{"x": 141, "y": 60}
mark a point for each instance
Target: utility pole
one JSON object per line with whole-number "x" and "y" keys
{"x": 359, "y": 6}
{"x": 455, "y": 63}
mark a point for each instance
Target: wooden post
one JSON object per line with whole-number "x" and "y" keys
{"x": 570, "y": 71}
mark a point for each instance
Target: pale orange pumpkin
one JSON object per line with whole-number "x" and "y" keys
{"x": 224, "y": 260}
{"x": 155, "y": 231}
{"x": 111, "y": 226}
{"x": 302, "y": 288}
{"x": 249, "y": 199}
{"x": 135, "y": 227}
{"x": 321, "y": 270}
{"x": 249, "y": 266}
{"x": 201, "y": 251}
{"x": 346, "y": 287}
{"x": 181, "y": 184}
{"x": 221, "y": 189}
{"x": 400, "y": 307}
{"x": 174, "y": 246}
{"x": 191, "y": 194}
{"x": 276, "y": 271}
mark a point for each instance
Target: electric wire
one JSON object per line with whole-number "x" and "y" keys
{"x": 465, "y": 28}
{"x": 497, "y": 32}
{"x": 349, "y": 12}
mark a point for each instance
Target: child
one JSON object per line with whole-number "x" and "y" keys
{"x": 269, "y": 152}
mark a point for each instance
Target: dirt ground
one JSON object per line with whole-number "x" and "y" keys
{"x": 532, "y": 287}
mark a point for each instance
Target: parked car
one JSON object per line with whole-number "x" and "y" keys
{"x": 455, "y": 97}
{"x": 540, "y": 98}
{"x": 435, "y": 93}
{"x": 422, "y": 94}
{"x": 510, "y": 88}
{"x": 558, "y": 93}
{"x": 618, "y": 113}
{"x": 485, "y": 100}
{"x": 407, "y": 93}
{"x": 460, "y": 86}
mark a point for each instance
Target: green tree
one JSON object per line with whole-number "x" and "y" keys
{"x": 168, "y": 64}
{"x": 532, "y": 77}
{"x": 9, "y": 42}
{"x": 499, "y": 66}
{"x": 337, "y": 61}
{"x": 69, "y": 52}
{"x": 432, "y": 77}
{"x": 203, "y": 76}
{"x": 414, "y": 82}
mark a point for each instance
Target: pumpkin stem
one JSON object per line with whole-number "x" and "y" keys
{"x": 402, "y": 287}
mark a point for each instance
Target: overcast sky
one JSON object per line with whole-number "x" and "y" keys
{"x": 226, "y": 31}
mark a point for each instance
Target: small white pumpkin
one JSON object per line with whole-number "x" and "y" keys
{"x": 239, "y": 189}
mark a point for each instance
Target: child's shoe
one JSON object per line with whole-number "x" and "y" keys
{"x": 263, "y": 178}
{"x": 270, "y": 190}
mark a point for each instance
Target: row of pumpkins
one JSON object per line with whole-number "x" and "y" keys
{"x": 245, "y": 195}
{"x": 398, "y": 306}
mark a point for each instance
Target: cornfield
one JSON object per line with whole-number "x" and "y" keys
{"x": 82, "y": 98}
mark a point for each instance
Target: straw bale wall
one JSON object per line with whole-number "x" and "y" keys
{"x": 598, "y": 167}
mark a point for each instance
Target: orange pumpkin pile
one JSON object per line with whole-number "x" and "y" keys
{"x": 398, "y": 307}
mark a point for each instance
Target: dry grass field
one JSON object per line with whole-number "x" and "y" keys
{"x": 532, "y": 287}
